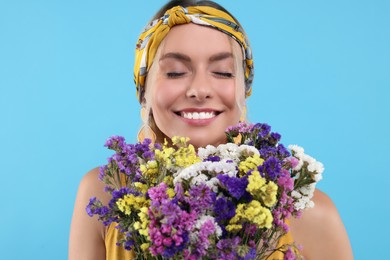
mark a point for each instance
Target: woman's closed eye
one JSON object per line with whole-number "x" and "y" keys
{"x": 173, "y": 75}
{"x": 225, "y": 75}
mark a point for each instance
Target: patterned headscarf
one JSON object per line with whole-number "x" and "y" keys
{"x": 156, "y": 31}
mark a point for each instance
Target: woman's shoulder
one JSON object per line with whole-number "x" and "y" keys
{"x": 324, "y": 209}
{"x": 86, "y": 233}
{"x": 321, "y": 231}
{"x": 91, "y": 186}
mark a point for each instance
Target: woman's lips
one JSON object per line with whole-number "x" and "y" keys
{"x": 198, "y": 117}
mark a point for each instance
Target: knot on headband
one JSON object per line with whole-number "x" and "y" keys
{"x": 177, "y": 16}
{"x": 155, "y": 32}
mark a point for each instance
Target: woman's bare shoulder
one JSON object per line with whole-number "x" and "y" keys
{"x": 87, "y": 234}
{"x": 321, "y": 231}
{"x": 92, "y": 185}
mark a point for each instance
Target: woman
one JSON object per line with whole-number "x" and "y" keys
{"x": 192, "y": 79}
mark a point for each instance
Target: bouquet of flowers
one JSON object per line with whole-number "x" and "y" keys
{"x": 226, "y": 202}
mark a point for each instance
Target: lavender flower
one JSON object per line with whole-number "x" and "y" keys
{"x": 235, "y": 186}
{"x": 201, "y": 198}
{"x": 224, "y": 210}
{"x": 227, "y": 248}
{"x": 271, "y": 168}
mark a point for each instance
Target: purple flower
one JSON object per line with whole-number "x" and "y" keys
{"x": 96, "y": 207}
{"x": 240, "y": 128}
{"x": 289, "y": 254}
{"x": 227, "y": 248}
{"x": 235, "y": 186}
{"x": 283, "y": 152}
{"x": 115, "y": 143}
{"x": 91, "y": 207}
{"x": 212, "y": 158}
{"x": 286, "y": 182}
{"x": 102, "y": 172}
{"x": 158, "y": 194}
{"x": 169, "y": 224}
{"x": 267, "y": 151}
{"x": 271, "y": 168}
{"x": 263, "y": 129}
{"x": 276, "y": 137}
{"x": 128, "y": 244}
{"x": 118, "y": 194}
{"x": 202, "y": 243}
{"x": 224, "y": 209}
{"x": 291, "y": 162}
{"x": 251, "y": 254}
{"x": 201, "y": 198}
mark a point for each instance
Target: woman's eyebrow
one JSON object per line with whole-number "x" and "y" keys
{"x": 220, "y": 56}
{"x": 183, "y": 57}
{"x": 176, "y": 55}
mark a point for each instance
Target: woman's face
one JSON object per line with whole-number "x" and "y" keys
{"x": 193, "y": 93}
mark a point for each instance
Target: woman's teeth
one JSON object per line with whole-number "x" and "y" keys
{"x": 196, "y": 115}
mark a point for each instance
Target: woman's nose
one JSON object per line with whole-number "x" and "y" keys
{"x": 199, "y": 87}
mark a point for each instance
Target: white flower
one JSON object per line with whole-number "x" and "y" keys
{"x": 310, "y": 204}
{"x": 303, "y": 197}
{"x": 296, "y": 194}
{"x": 229, "y": 151}
{"x": 299, "y": 205}
{"x": 319, "y": 168}
{"x": 317, "y": 177}
{"x": 203, "y": 153}
{"x": 248, "y": 150}
{"x": 297, "y": 149}
{"x": 195, "y": 173}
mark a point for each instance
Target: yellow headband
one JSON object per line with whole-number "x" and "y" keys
{"x": 156, "y": 31}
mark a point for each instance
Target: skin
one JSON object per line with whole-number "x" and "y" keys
{"x": 195, "y": 73}
{"x": 321, "y": 231}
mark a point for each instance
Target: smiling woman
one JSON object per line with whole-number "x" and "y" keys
{"x": 193, "y": 71}
{"x": 194, "y": 89}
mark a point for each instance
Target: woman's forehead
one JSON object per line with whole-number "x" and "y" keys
{"x": 192, "y": 37}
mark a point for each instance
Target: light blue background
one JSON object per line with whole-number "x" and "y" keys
{"x": 322, "y": 81}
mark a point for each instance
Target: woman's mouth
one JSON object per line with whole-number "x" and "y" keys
{"x": 198, "y": 115}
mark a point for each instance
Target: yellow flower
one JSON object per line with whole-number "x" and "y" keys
{"x": 252, "y": 212}
{"x": 130, "y": 201}
{"x": 143, "y": 225}
{"x": 233, "y": 227}
{"x": 186, "y": 154}
{"x": 250, "y": 163}
{"x": 168, "y": 180}
{"x": 123, "y": 206}
{"x": 150, "y": 170}
{"x": 164, "y": 156}
{"x": 145, "y": 246}
{"x": 180, "y": 141}
{"x": 141, "y": 187}
{"x": 268, "y": 194}
{"x": 171, "y": 193}
{"x": 255, "y": 182}
{"x": 183, "y": 156}
{"x": 259, "y": 189}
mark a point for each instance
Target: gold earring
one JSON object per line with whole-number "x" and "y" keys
{"x": 243, "y": 115}
{"x": 146, "y": 131}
